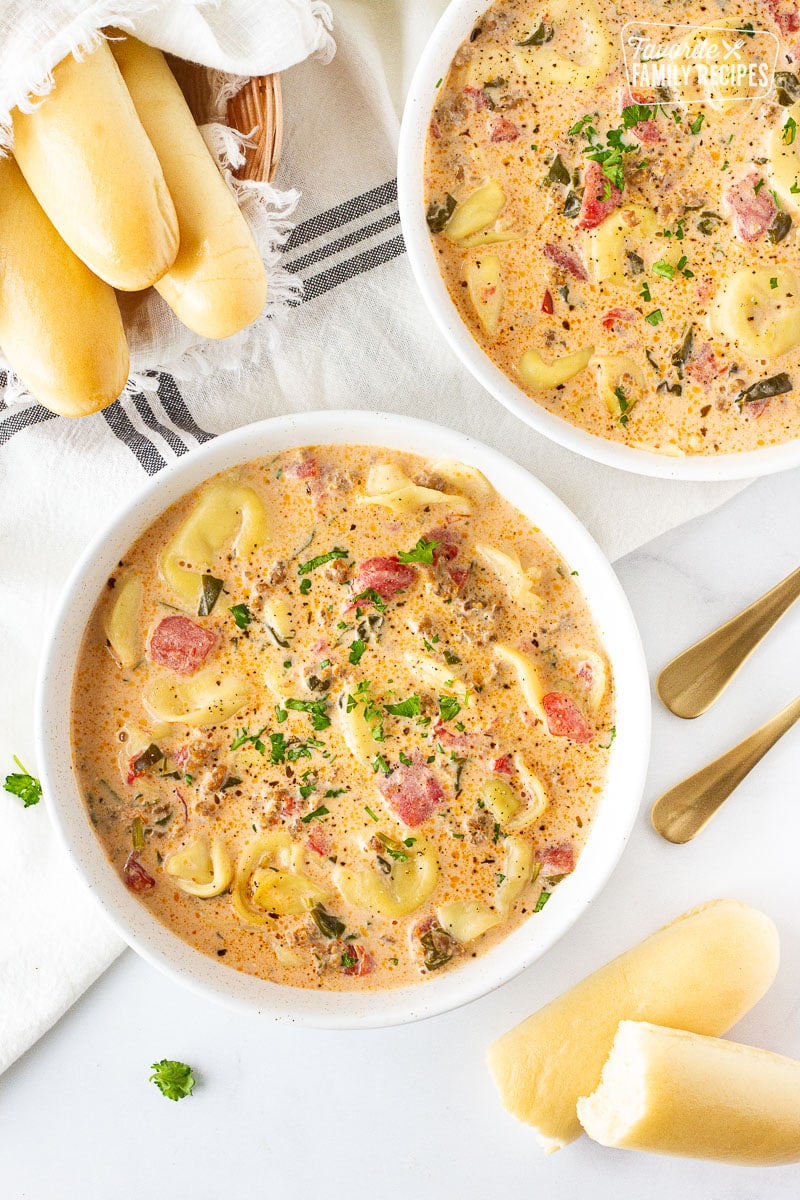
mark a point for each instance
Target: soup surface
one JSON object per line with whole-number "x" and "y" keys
{"x": 627, "y": 254}
{"x": 341, "y": 717}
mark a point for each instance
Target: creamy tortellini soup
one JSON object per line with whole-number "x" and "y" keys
{"x": 617, "y": 227}
{"x": 342, "y": 719}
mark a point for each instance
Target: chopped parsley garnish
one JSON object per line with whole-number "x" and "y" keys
{"x": 321, "y": 559}
{"x": 315, "y": 709}
{"x": 349, "y": 960}
{"x": 450, "y": 658}
{"x": 623, "y": 403}
{"x": 374, "y": 598}
{"x": 612, "y": 733}
{"x": 316, "y": 815}
{"x": 758, "y": 186}
{"x": 209, "y": 595}
{"x": 697, "y": 124}
{"x": 394, "y": 849}
{"x": 241, "y": 615}
{"x": 357, "y": 649}
{"x": 405, "y": 708}
{"x": 655, "y": 317}
{"x": 540, "y": 903}
{"x": 255, "y": 738}
{"x": 645, "y": 293}
{"x": 773, "y": 283}
{"x": 333, "y": 792}
{"x": 370, "y": 813}
{"x": 663, "y": 268}
{"x": 789, "y": 131}
{"x": 305, "y": 587}
{"x": 449, "y": 707}
{"x": 174, "y": 1080}
{"x": 422, "y": 552}
{"x": 379, "y": 763}
{"x": 634, "y": 114}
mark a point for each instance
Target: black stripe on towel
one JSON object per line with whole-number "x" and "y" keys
{"x": 177, "y": 410}
{"x": 317, "y": 285}
{"x": 334, "y": 218}
{"x": 120, "y": 424}
{"x": 18, "y": 419}
{"x": 152, "y": 422}
{"x": 344, "y": 243}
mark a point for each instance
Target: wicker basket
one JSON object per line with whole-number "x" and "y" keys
{"x": 257, "y": 111}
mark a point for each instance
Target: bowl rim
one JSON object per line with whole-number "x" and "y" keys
{"x": 434, "y": 63}
{"x": 325, "y": 1009}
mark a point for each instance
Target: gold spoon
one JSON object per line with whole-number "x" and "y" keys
{"x": 693, "y": 681}
{"x": 686, "y": 808}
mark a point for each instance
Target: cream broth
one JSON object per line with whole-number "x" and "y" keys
{"x": 628, "y": 257}
{"x": 341, "y": 718}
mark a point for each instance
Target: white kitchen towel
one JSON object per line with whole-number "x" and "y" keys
{"x": 360, "y": 338}
{"x": 234, "y": 40}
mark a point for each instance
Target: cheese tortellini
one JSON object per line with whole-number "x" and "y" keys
{"x": 204, "y": 699}
{"x": 412, "y": 877}
{"x": 226, "y": 512}
{"x": 517, "y": 580}
{"x": 620, "y": 381}
{"x": 390, "y": 487}
{"x": 466, "y": 920}
{"x": 122, "y": 622}
{"x": 269, "y": 880}
{"x": 783, "y": 157}
{"x": 479, "y": 210}
{"x": 758, "y": 310}
{"x": 609, "y": 241}
{"x": 536, "y": 373}
{"x": 527, "y": 676}
{"x": 585, "y": 60}
{"x": 486, "y": 290}
{"x": 202, "y": 871}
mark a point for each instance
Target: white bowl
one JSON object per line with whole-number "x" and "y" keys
{"x": 453, "y": 28}
{"x": 615, "y": 816}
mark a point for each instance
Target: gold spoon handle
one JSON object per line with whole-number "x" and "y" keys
{"x": 692, "y": 682}
{"x": 683, "y": 811}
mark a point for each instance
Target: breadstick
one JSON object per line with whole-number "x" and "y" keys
{"x": 701, "y": 972}
{"x": 217, "y": 284}
{"x": 60, "y": 327}
{"x": 673, "y": 1092}
{"x": 90, "y": 165}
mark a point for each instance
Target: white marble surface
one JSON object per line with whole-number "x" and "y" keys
{"x": 411, "y": 1111}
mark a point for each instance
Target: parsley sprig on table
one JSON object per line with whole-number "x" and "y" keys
{"x": 175, "y": 1080}
{"x": 24, "y": 785}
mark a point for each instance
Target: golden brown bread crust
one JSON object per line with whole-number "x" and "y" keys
{"x": 60, "y": 326}
{"x": 90, "y": 165}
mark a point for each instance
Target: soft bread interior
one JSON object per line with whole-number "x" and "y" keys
{"x": 669, "y": 1091}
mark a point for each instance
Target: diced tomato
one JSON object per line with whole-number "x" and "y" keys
{"x": 753, "y": 211}
{"x": 566, "y": 259}
{"x": 503, "y": 130}
{"x": 318, "y": 842}
{"x": 785, "y": 14}
{"x": 459, "y": 576}
{"x": 755, "y": 409}
{"x": 547, "y": 303}
{"x": 617, "y": 316}
{"x": 502, "y": 765}
{"x": 179, "y": 645}
{"x": 135, "y": 876}
{"x": 383, "y": 575}
{"x": 305, "y": 466}
{"x": 364, "y": 963}
{"x": 585, "y": 674}
{"x": 319, "y": 647}
{"x": 647, "y": 132}
{"x": 703, "y": 365}
{"x": 565, "y": 719}
{"x": 448, "y": 544}
{"x": 450, "y": 738}
{"x": 412, "y": 791}
{"x": 557, "y": 860}
{"x": 600, "y": 197}
{"x": 481, "y": 98}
